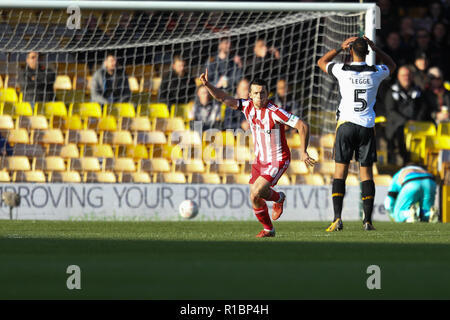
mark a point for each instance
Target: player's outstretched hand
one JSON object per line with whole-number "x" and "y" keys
{"x": 310, "y": 162}
{"x": 204, "y": 77}
{"x": 346, "y": 44}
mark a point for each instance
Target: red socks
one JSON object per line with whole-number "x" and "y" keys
{"x": 263, "y": 216}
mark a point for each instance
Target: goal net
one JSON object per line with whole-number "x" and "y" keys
{"x": 281, "y": 47}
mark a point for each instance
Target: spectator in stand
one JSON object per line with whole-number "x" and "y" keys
{"x": 36, "y": 81}
{"x": 389, "y": 17}
{"x": 224, "y": 71}
{"x": 435, "y": 14}
{"x": 235, "y": 119}
{"x": 401, "y": 55}
{"x": 265, "y": 63}
{"x": 437, "y": 97}
{"x": 206, "y": 109}
{"x": 283, "y": 98}
{"x": 177, "y": 85}
{"x": 407, "y": 32}
{"x": 110, "y": 83}
{"x": 403, "y": 102}
{"x": 419, "y": 70}
{"x": 440, "y": 38}
{"x": 424, "y": 44}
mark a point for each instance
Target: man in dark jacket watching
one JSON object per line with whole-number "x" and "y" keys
{"x": 36, "y": 81}
{"x": 403, "y": 102}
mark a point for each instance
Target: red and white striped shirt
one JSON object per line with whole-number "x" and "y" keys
{"x": 267, "y": 129}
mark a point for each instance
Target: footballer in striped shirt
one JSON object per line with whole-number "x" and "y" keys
{"x": 267, "y": 122}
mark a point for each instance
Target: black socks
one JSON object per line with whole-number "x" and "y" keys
{"x": 368, "y": 198}
{"x": 337, "y": 194}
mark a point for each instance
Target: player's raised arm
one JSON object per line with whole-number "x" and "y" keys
{"x": 303, "y": 131}
{"x": 387, "y": 60}
{"x": 329, "y": 56}
{"x": 218, "y": 94}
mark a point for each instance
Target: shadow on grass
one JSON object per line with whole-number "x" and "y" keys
{"x": 151, "y": 269}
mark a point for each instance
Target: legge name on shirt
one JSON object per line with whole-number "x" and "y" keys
{"x": 360, "y": 80}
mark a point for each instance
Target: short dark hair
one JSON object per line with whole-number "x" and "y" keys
{"x": 259, "y": 82}
{"x": 360, "y": 47}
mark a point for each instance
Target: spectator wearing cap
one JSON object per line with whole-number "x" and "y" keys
{"x": 437, "y": 97}
{"x": 403, "y": 102}
{"x": 419, "y": 70}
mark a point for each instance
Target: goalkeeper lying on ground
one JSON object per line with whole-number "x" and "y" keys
{"x": 411, "y": 196}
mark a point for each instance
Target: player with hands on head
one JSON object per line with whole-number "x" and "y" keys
{"x": 267, "y": 122}
{"x": 355, "y": 133}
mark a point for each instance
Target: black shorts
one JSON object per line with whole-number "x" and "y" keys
{"x": 353, "y": 139}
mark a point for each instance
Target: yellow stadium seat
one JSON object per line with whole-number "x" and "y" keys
{"x": 18, "y": 163}
{"x": 51, "y": 136}
{"x": 352, "y": 180}
{"x": 382, "y": 180}
{"x": 173, "y": 177}
{"x": 415, "y": 133}
{"x": 133, "y": 83}
{"x": 38, "y": 122}
{"x": 124, "y": 165}
{"x": 208, "y": 178}
{"x": 70, "y": 177}
{"x": 23, "y": 109}
{"x": 69, "y": 151}
{"x": 36, "y": 176}
{"x": 73, "y": 123}
{"x": 156, "y": 83}
{"x": 186, "y": 138}
{"x": 4, "y": 176}
{"x": 193, "y": 166}
{"x": 297, "y": 167}
{"x": 293, "y": 140}
{"x": 87, "y": 109}
{"x": 107, "y": 123}
{"x": 141, "y": 124}
{"x": 326, "y": 167}
{"x": 89, "y": 164}
{"x": 137, "y": 152}
{"x": 8, "y": 95}
{"x": 228, "y": 167}
{"x": 123, "y": 110}
{"x": 104, "y": 177}
{"x": 284, "y": 181}
{"x": 172, "y": 152}
{"x": 6, "y": 122}
{"x": 54, "y": 163}
{"x": 241, "y": 178}
{"x": 102, "y": 151}
{"x": 314, "y": 179}
{"x": 159, "y": 165}
{"x": 169, "y": 125}
{"x": 18, "y": 136}
{"x": 183, "y": 110}
{"x": 57, "y": 108}
{"x": 139, "y": 177}
{"x": 443, "y": 129}
{"x": 62, "y": 82}
{"x": 122, "y": 137}
{"x": 154, "y": 110}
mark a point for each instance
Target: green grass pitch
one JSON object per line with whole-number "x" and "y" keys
{"x": 222, "y": 260}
